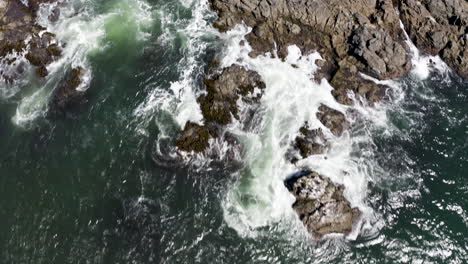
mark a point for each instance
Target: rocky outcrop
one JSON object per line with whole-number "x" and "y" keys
{"x": 219, "y": 105}
{"x": 193, "y": 137}
{"x": 310, "y": 142}
{"x": 19, "y": 34}
{"x": 321, "y": 205}
{"x": 354, "y": 37}
{"x": 333, "y": 120}
{"x": 439, "y": 27}
{"x": 67, "y": 98}
{"x": 362, "y": 33}
{"x": 313, "y": 141}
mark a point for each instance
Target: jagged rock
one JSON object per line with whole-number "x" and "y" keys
{"x": 66, "y": 98}
{"x": 19, "y": 34}
{"x": 439, "y": 27}
{"x": 327, "y": 26}
{"x": 321, "y": 205}
{"x": 223, "y": 91}
{"x": 455, "y": 54}
{"x": 333, "y": 120}
{"x": 347, "y": 78}
{"x": 193, "y": 137}
{"x": 219, "y": 105}
{"x": 310, "y": 141}
{"x": 382, "y": 55}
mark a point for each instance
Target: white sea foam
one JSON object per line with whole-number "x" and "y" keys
{"x": 291, "y": 98}
{"x": 82, "y": 33}
{"x": 180, "y": 98}
{"x": 423, "y": 65}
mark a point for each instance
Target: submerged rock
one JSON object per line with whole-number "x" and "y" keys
{"x": 66, "y": 98}
{"x": 321, "y": 205}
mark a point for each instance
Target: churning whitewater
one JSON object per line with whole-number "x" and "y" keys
{"x": 107, "y": 183}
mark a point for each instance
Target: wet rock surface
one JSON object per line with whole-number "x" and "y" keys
{"x": 66, "y": 97}
{"x": 310, "y": 142}
{"x": 194, "y": 137}
{"x": 366, "y": 30}
{"x": 321, "y": 205}
{"x": 21, "y": 35}
{"x": 333, "y": 120}
{"x": 354, "y": 37}
{"x": 439, "y": 27}
{"x": 219, "y": 105}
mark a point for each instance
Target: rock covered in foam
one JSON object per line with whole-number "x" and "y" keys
{"x": 313, "y": 141}
{"x": 321, "y": 205}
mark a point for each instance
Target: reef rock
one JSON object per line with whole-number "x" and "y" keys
{"x": 193, "y": 137}
{"x": 219, "y": 105}
{"x": 313, "y": 141}
{"x": 321, "y": 205}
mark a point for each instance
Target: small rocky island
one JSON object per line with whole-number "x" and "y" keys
{"x": 353, "y": 37}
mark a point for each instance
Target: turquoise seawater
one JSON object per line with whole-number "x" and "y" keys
{"x": 104, "y": 185}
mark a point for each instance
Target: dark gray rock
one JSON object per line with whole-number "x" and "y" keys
{"x": 219, "y": 105}
{"x": 439, "y": 27}
{"x": 327, "y": 26}
{"x": 20, "y": 34}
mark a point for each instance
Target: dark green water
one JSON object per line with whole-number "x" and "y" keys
{"x": 102, "y": 187}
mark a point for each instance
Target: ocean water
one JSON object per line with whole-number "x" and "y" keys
{"x": 107, "y": 186}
